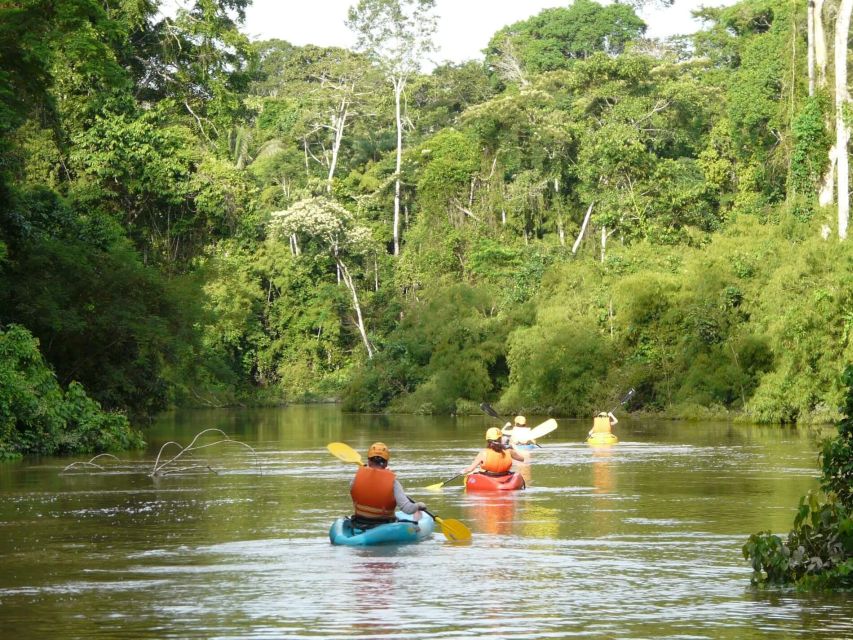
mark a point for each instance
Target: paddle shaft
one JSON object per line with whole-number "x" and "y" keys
{"x": 485, "y": 406}
{"x": 452, "y": 479}
{"x": 627, "y": 397}
{"x": 432, "y": 515}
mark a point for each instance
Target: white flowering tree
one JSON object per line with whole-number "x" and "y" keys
{"x": 335, "y": 228}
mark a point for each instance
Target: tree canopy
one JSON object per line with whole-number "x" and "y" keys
{"x": 189, "y": 217}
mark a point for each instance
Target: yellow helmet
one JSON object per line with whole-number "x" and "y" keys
{"x": 520, "y": 420}
{"x": 378, "y": 449}
{"x": 493, "y": 433}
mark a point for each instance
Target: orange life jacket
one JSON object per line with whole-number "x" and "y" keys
{"x": 496, "y": 461}
{"x": 372, "y": 493}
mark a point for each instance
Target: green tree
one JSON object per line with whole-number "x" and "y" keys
{"x": 554, "y": 38}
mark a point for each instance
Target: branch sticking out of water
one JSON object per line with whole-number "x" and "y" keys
{"x": 90, "y": 463}
{"x": 160, "y": 469}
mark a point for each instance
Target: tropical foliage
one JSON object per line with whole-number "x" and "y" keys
{"x": 188, "y": 217}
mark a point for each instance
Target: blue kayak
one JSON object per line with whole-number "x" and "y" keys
{"x": 401, "y": 532}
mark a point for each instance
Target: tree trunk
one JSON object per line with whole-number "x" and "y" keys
{"x": 342, "y": 268}
{"x": 810, "y": 44}
{"x": 603, "y": 242}
{"x": 305, "y": 153}
{"x": 561, "y": 232}
{"x": 583, "y": 229}
{"x": 339, "y": 121}
{"x": 399, "y": 85}
{"x": 842, "y": 133}
{"x": 820, "y": 54}
{"x": 826, "y": 195}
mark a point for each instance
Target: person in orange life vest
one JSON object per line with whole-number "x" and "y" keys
{"x": 495, "y": 459}
{"x": 376, "y": 492}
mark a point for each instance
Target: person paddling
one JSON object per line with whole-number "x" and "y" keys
{"x": 603, "y": 423}
{"x": 376, "y": 492}
{"x": 495, "y": 459}
{"x": 517, "y": 433}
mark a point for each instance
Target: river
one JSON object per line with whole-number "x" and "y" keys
{"x": 638, "y": 540}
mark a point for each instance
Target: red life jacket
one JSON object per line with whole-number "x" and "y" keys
{"x": 497, "y": 461}
{"x": 372, "y": 493}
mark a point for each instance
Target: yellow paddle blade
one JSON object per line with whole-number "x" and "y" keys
{"x": 454, "y": 530}
{"x": 344, "y": 452}
{"x": 543, "y": 429}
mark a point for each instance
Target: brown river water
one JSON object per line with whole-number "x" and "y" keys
{"x": 638, "y": 540}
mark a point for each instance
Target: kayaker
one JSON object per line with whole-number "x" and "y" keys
{"x": 376, "y": 492}
{"x": 495, "y": 459}
{"x": 603, "y": 423}
{"x": 517, "y": 433}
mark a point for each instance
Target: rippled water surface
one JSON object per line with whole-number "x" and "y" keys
{"x": 638, "y": 540}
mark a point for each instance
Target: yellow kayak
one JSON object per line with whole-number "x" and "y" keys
{"x": 602, "y": 438}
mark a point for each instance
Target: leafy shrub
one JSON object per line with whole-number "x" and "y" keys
{"x": 556, "y": 367}
{"x": 36, "y": 416}
{"x": 445, "y": 350}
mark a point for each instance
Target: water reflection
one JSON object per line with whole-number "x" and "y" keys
{"x": 374, "y": 582}
{"x": 525, "y": 471}
{"x": 603, "y": 475}
{"x": 492, "y": 513}
{"x": 540, "y": 521}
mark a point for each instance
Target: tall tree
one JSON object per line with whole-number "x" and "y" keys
{"x": 397, "y": 35}
{"x": 200, "y": 60}
{"x": 842, "y": 130}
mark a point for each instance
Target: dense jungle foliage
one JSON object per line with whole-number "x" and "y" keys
{"x": 189, "y": 217}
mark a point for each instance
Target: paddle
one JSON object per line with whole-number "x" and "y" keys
{"x": 627, "y": 397}
{"x": 536, "y": 432}
{"x": 454, "y": 530}
{"x": 543, "y": 429}
{"x": 439, "y": 485}
{"x": 487, "y": 408}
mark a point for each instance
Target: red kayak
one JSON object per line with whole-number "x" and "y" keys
{"x": 483, "y": 482}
